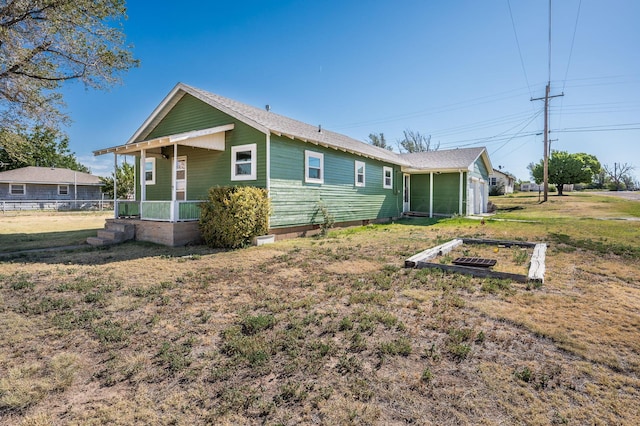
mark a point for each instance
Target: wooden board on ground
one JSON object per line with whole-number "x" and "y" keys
{"x": 536, "y": 269}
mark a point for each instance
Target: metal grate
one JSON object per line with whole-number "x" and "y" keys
{"x": 476, "y": 262}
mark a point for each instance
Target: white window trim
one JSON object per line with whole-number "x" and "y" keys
{"x": 359, "y": 164}
{"x": 254, "y": 161}
{"x": 24, "y": 188}
{"x": 313, "y": 154}
{"x": 151, "y": 181}
{"x": 66, "y": 189}
{"x": 386, "y": 169}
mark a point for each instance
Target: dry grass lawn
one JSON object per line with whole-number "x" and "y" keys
{"x": 33, "y": 230}
{"x": 330, "y": 330}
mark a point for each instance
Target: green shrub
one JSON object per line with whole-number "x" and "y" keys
{"x": 232, "y": 215}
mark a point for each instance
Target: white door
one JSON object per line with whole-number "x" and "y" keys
{"x": 471, "y": 201}
{"x": 181, "y": 178}
{"x": 406, "y": 192}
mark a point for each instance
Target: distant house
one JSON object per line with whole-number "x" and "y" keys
{"x": 195, "y": 140}
{"x": 502, "y": 179}
{"x": 48, "y": 183}
{"x": 530, "y": 186}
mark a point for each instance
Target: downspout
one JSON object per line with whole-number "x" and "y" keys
{"x": 268, "y": 173}
{"x": 430, "y": 194}
{"x": 461, "y": 192}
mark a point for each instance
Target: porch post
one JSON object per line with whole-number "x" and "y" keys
{"x": 461, "y": 192}
{"x": 431, "y": 194}
{"x": 174, "y": 168}
{"x": 115, "y": 185}
{"x": 143, "y": 174}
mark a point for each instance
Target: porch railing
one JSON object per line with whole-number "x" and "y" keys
{"x": 160, "y": 210}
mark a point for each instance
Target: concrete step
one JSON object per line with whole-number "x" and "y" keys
{"x": 108, "y": 234}
{"x": 99, "y": 242}
{"x": 127, "y": 229}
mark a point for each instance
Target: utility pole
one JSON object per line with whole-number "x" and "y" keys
{"x": 545, "y": 169}
{"x": 546, "y": 118}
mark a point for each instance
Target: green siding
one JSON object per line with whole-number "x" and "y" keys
{"x": 205, "y": 168}
{"x": 480, "y": 169}
{"x": 419, "y": 196}
{"x": 446, "y": 193}
{"x": 295, "y": 202}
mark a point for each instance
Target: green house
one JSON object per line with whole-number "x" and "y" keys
{"x": 195, "y": 140}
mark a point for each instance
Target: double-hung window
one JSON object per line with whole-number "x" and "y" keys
{"x": 16, "y": 189}
{"x": 63, "y": 189}
{"x": 150, "y": 171}
{"x": 360, "y": 173}
{"x": 313, "y": 167}
{"x": 243, "y": 162}
{"x": 387, "y": 177}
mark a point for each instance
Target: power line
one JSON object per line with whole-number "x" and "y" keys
{"x": 515, "y": 33}
{"x": 573, "y": 39}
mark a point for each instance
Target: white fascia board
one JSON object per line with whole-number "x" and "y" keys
{"x": 211, "y": 138}
{"x": 199, "y": 133}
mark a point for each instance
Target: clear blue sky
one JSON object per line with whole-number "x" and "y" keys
{"x": 450, "y": 69}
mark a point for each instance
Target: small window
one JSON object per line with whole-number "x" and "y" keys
{"x": 17, "y": 189}
{"x": 360, "y": 168}
{"x": 243, "y": 162}
{"x": 150, "y": 171}
{"x": 314, "y": 167}
{"x": 493, "y": 181}
{"x": 387, "y": 176}
{"x": 63, "y": 189}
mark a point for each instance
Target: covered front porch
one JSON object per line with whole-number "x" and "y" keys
{"x": 167, "y": 197}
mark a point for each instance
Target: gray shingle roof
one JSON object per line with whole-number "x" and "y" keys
{"x": 48, "y": 175}
{"x": 270, "y": 122}
{"x": 446, "y": 159}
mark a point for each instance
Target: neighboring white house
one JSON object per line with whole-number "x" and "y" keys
{"x": 505, "y": 180}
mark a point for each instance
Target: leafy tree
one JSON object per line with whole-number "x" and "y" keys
{"x": 565, "y": 168}
{"x": 413, "y": 141}
{"x": 125, "y": 176}
{"x": 378, "y": 139}
{"x": 44, "y": 43}
{"x": 42, "y": 147}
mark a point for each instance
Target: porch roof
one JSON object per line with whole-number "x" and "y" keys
{"x": 211, "y": 138}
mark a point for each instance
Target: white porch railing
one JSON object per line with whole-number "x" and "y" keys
{"x": 160, "y": 210}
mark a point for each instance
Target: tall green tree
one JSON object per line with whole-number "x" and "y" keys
{"x": 378, "y": 139}
{"x": 566, "y": 168}
{"x": 42, "y": 147}
{"x": 413, "y": 141}
{"x": 45, "y": 43}
{"x": 125, "y": 176}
